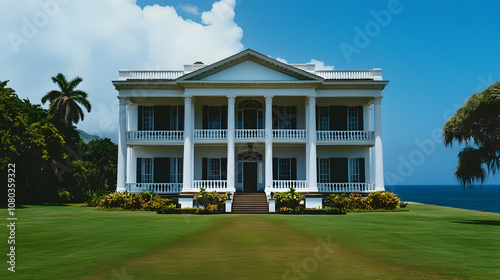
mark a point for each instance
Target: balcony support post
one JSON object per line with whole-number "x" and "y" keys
{"x": 269, "y": 144}
{"x": 230, "y": 144}
{"x": 188, "y": 147}
{"x": 379, "y": 161}
{"x": 311, "y": 130}
{"x": 122, "y": 145}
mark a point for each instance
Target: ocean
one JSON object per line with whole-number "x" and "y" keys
{"x": 478, "y": 198}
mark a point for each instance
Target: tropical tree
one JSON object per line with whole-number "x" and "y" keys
{"x": 64, "y": 102}
{"x": 476, "y": 126}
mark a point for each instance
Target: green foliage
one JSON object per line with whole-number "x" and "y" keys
{"x": 211, "y": 202}
{"x": 93, "y": 197}
{"x": 64, "y": 102}
{"x": 290, "y": 199}
{"x": 354, "y": 201}
{"x": 33, "y": 143}
{"x": 476, "y": 126}
{"x": 146, "y": 201}
{"x": 383, "y": 200}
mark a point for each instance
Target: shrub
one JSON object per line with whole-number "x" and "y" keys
{"x": 290, "y": 199}
{"x": 92, "y": 198}
{"x": 210, "y": 199}
{"x": 64, "y": 195}
{"x": 383, "y": 200}
{"x": 285, "y": 210}
{"x": 340, "y": 201}
{"x": 146, "y": 201}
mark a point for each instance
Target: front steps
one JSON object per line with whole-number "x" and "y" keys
{"x": 250, "y": 203}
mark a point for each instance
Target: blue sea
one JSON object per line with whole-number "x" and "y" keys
{"x": 478, "y": 198}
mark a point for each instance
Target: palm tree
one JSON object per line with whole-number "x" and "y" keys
{"x": 476, "y": 126}
{"x": 63, "y": 103}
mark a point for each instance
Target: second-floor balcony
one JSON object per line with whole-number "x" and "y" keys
{"x": 210, "y": 134}
{"x": 356, "y": 135}
{"x": 155, "y": 135}
{"x": 250, "y": 134}
{"x": 289, "y": 134}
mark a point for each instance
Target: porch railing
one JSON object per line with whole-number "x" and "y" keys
{"x": 356, "y": 135}
{"x": 211, "y": 185}
{"x": 285, "y": 185}
{"x": 161, "y": 188}
{"x": 346, "y": 74}
{"x": 210, "y": 134}
{"x": 149, "y": 75}
{"x": 345, "y": 187}
{"x": 250, "y": 134}
{"x": 155, "y": 135}
{"x": 290, "y": 134}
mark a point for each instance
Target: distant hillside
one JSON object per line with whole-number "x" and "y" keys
{"x": 87, "y": 137}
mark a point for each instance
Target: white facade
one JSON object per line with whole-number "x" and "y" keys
{"x": 250, "y": 123}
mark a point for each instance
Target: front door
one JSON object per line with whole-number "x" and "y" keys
{"x": 250, "y": 177}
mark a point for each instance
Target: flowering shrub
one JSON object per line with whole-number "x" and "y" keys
{"x": 383, "y": 200}
{"x": 374, "y": 201}
{"x": 147, "y": 201}
{"x": 211, "y": 201}
{"x": 290, "y": 199}
{"x": 285, "y": 210}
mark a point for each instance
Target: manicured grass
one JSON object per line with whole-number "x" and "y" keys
{"x": 429, "y": 242}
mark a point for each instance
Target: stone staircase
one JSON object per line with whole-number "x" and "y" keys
{"x": 250, "y": 203}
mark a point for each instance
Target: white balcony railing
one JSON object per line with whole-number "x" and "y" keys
{"x": 155, "y": 135}
{"x": 346, "y": 74}
{"x": 210, "y": 134}
{"x": 161, "y": 188}
{"x": 345, "y": 187}
{"x": 345, "y": 135}
{"x": 285, "y": 185}
{"x": 290, "y": 134}
{"x": 211, "y": 185}
{"x": 250, "y": 134}
{"x": 150, "y": 75}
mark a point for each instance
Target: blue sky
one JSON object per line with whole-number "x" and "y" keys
{"x": 435, "y": 54}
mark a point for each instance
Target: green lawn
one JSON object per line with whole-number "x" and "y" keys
{"x": 429, "y": 242}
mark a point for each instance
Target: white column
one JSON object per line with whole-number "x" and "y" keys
{"x": 311, "y": 130}
{"x": 122, "y": 146}
{"x": 187, "y": 176}
{"x": 379, "y": 161}
{"x": 269, "y": 144}
{"x": 371, "y": 168}
{"x": 230, "y": 144}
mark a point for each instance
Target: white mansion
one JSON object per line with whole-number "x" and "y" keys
{"x": 249, "y": 123}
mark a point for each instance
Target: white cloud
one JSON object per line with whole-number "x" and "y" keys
{"x": 281, "y": 60}
{"x": 93, "y": 39}
{"x": 190, "y": 9}
{"x": 320, "y": 65}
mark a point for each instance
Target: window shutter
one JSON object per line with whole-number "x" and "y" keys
{"x": 205, "y": 117}
{"x": 161, "y": 118}
{"x": 223, "y": 117}
{"x": 317, "y": 119}
{"x": 223, "y": 168}
{"x": 338, "y": 117}
{"x": 204, "y": 168}
{"x": 362, "y": 170}
{"x": 275, "y": 117}
{"x": 275, "y": 168}
{"x": 293, "y": 117}
{"x": 139, "y": 118}
{"x": 317, "y": 170}
{"x": 161, "y": 171}
{"x": 360, "y": 118}
{"x": 180, "y": 117}
{"x": 138, "y": 179}
{"x": 293, "y": 173}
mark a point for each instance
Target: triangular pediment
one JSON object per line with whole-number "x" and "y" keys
{"x": 247, "y": 66}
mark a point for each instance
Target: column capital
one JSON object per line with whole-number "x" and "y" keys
{"x": 377, "y": 100}
{"x": 122, "y": 100}
{"x": 188, "y": 100}
{"x": 231, "y": 99}
{"x": 311, "y": 100}
{"x": 269, "y": 99}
